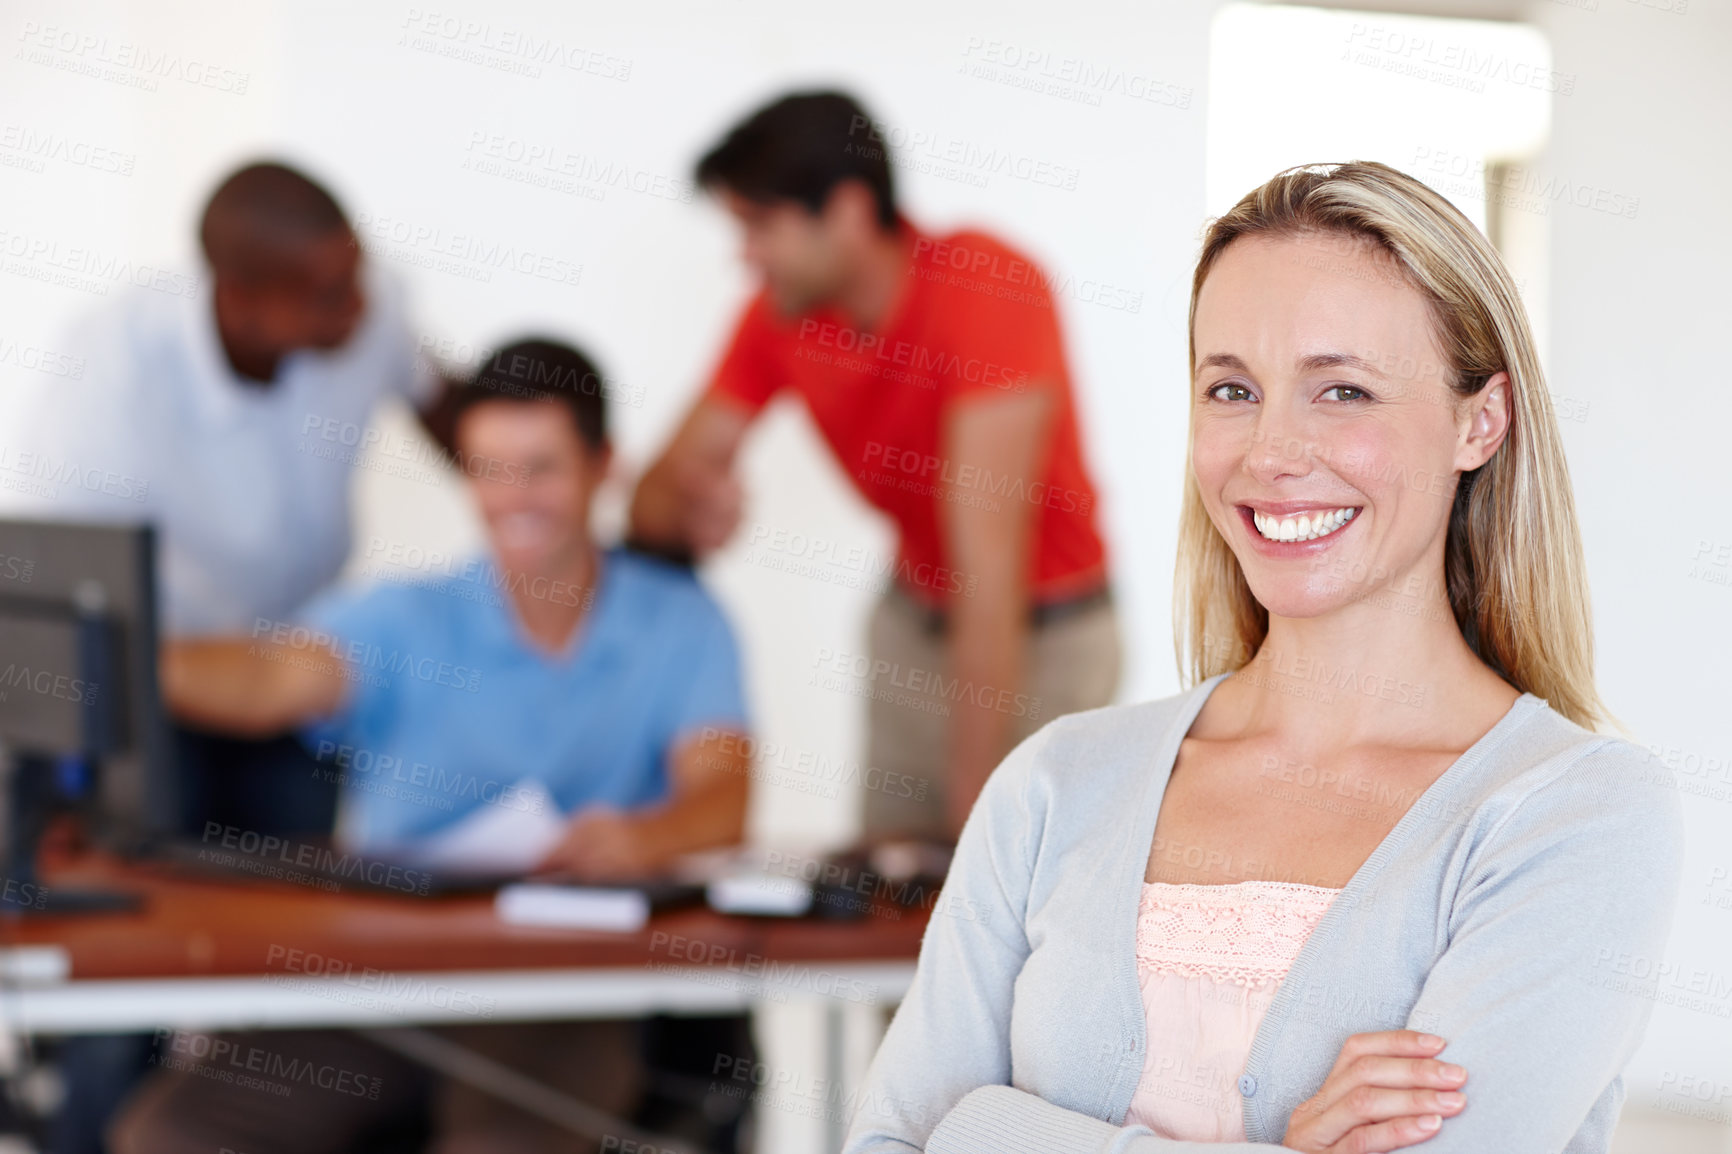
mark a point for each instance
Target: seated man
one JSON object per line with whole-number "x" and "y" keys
{"x": 556, "y": 669}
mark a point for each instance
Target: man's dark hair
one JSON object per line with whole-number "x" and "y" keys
{"x": 538, "y": 369}
{"x": 800, "y": 148}
{"x": 262, "y": 213}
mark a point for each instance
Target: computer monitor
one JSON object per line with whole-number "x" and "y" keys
{"x": 78, "y": 686}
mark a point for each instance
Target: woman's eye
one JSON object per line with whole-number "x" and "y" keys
{"x": 1230, "y": 392}
{"x": 1345, "y": 392}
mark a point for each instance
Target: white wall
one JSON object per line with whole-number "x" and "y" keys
{"x": 357, "y": 97}
{"x": 1639, "y": 323}
{"x": 1637, "y": 306}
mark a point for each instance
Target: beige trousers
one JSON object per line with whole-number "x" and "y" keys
{"x": 1073, "y": 664}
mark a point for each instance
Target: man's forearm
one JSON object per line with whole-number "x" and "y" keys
{"x": 248, "y": 688}
{"x": 655, "y": 526}
{"x": 655, "y": 518}
{"x": 988, "y": 651}
{"x": 1001, "y": 437}
{"x": 713, "y": 814}
{"x": 687, "y": 502}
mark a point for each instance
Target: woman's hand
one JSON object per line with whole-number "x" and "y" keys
{"x": 1387, "y": 1091}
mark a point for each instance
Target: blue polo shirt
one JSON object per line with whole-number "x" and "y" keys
{"x": 450, "y": 707}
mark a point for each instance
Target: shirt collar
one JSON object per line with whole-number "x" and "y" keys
{"x": 594, "y": 638}
{"x": 911, "y": 237}
{"x": 219, "y": 393}
{"x": 215, "y": 389}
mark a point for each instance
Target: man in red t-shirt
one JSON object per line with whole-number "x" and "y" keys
{"x": 933, "y": 367}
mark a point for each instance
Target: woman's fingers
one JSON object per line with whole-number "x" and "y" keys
{"x": 1388, "y": 1043}
{"x": 1361, "y": 1106}
{"x": 1372, "y": 1120}
{"x": 1382, "y": 1086}
{"x": 1401, "y": 1073}
{"x": 1397, "y": 1134}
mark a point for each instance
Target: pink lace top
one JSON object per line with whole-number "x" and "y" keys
{"x": 1210, "y": 959}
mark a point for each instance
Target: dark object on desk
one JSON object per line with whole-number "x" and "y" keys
{"x": 80, "y": 717}
{"x": 231, "y": 853}
{"x": 901, "y": 873}
{"x": 663, "y": 893}
{"x": 317, "y": 862}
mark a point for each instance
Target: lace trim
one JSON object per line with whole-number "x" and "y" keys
{"x": 1245, "y": 934}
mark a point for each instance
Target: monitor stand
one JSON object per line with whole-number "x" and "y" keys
{"x": 30, "y": 793}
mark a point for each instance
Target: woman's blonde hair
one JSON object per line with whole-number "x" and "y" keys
{"x": 1513, "y": 565}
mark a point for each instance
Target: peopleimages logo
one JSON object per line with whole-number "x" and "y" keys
{"x": 970, "y": 159}
{"x": 939, "y": 471}
{"x": 462, "y": 254}
{"x": 136, "y": 65}
{"x": 37, "y": 359}
{"x": 362, "y": 656}
{"x": 232, "y": 1062}
{"x": 914, "y": 357}
{"x": 1066, "y": 77}
{"x": 926, "y": 689}
{"x": 361, "y": 768}
{"x": 290, "y": 860}
{"x": 46, "y": 683}
{"x": 505, "y": 48}
{"x": 383, "y": 990}
{"x": 39, "y": 146}
{"x": 810, "y": 555}
{"x": 86, "y": 269}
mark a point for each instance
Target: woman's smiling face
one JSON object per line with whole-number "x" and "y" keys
{"x": 1325, "y": 440}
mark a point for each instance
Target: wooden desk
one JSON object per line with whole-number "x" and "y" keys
{"x": 211, "y": 953}
{"x": 219, "y": 954}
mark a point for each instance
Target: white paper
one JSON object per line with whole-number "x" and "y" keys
{"x": 492, "y": 839}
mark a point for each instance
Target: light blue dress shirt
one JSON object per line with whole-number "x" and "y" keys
{"x": 450, "y": 706}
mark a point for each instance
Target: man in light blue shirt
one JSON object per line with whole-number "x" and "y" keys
{"x": 450, "y": 708}
{"x": 553, "y": 705}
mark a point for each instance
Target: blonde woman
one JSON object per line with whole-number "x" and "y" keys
{"x": 1373, "y": 881}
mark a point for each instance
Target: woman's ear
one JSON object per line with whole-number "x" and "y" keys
{"x": 1485, "y": 423}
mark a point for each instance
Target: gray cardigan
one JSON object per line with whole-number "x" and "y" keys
{"x": 1506, "y": 911}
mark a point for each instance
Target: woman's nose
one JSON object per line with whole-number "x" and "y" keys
{"x": 1277, "y": 449}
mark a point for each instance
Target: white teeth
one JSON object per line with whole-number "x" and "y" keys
{"x": 1306, "y": 527}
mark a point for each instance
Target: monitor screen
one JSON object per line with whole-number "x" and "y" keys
{"x": 78, "y": 650}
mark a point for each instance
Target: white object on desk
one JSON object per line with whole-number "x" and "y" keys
{"x": 744, "y": 880}
{"x": 761, "y": 893}
{"x": 572, "y": 907}
{"x": 34, "y": 965}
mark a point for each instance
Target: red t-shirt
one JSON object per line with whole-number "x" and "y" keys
{"x": 974, "y": 320}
